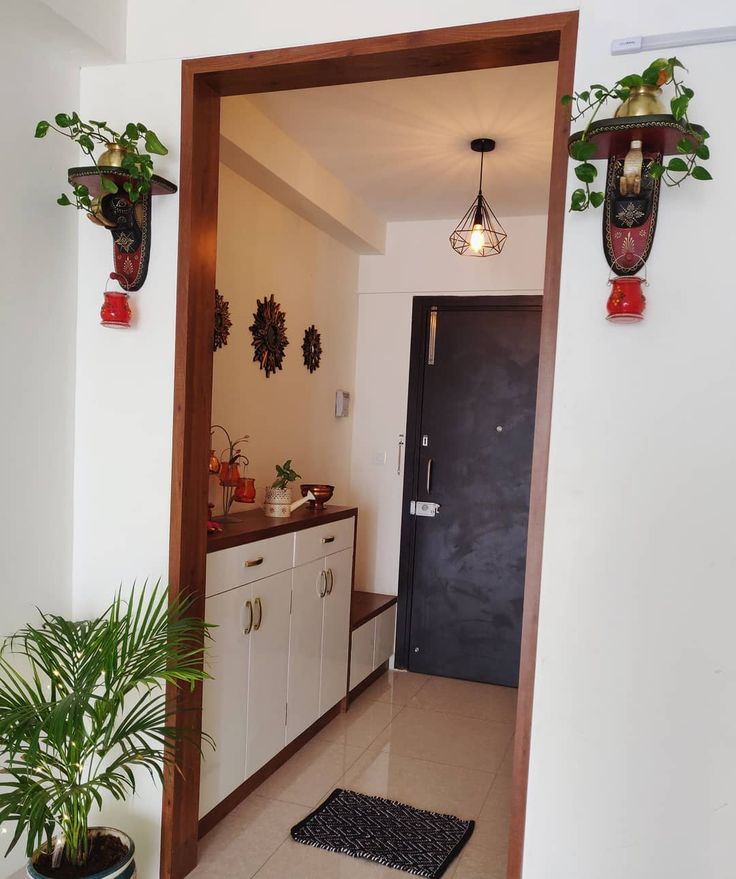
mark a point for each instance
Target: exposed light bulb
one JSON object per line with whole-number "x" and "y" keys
{"x": 477, "y": 238}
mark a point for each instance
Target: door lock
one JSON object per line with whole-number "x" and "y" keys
{"x": 424, "y": 508}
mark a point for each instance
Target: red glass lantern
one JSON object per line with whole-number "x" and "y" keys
{"x": 115, "y": 311}
{"x": 214, "y": 465}
{"x": 245, "y": 493}
{"x": 627, "y": 302}
{"x": 229, "y": 474}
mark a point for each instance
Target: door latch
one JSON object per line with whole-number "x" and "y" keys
{"x": 424, "y": 508}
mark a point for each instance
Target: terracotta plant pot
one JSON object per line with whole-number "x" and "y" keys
{"x": 122, "y": 869}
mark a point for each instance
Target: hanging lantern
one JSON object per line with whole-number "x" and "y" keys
{"x": 627, "y": 302}
{"x": 479, "y": 232}
{"x": 245, "y": 493}
{"x": 115, "y": 311}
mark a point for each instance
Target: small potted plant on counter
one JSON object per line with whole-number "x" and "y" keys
{"x": 278, "y": 496}
{"x": 82, "y": 709}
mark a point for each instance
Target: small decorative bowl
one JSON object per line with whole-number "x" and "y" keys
{"x": 321, "y": 492}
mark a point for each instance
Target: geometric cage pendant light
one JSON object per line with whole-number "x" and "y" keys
{"x": 479, "y": 233}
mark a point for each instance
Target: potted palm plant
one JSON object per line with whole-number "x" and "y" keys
{"x": 82, "y": 709}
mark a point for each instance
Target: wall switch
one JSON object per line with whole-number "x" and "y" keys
{"x": 379, "y": 458}
{"x": 342, "y": 404}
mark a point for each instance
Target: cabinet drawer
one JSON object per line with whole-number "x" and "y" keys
{"x": 314, "y": 543}
{"x": 238, "y": 565}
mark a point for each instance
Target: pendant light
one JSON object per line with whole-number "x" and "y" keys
{"x": 479, "y": 233}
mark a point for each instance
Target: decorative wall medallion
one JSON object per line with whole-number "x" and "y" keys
{"x": 269, "y": 335}
{"x": 222, "y": 320}
{"x": 312, "y": 348}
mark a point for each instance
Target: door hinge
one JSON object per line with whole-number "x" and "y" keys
{"x": 423, "y": 508}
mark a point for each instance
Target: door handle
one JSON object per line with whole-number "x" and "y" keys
{"x": 257, "y": 625}
{"x": 249, "y": 607}
{"x": 429, "y": 476}
{"x": 330, "y": 576}
{"x": 322, "y": 587}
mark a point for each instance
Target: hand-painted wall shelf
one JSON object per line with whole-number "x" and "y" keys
{"x": 630, "y": 213}
{"x": 129, "y": 222}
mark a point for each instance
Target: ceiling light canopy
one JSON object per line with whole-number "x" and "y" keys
{"x": 479, "y": 233}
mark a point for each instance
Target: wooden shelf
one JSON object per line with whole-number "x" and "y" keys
{"x": 367, "y": 605}
{"x": 255, "y": 525}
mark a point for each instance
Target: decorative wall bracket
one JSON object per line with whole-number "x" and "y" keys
{"x": 129, "y": 223}
{"x": 631, "y": 197}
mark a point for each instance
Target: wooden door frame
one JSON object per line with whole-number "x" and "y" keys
{"x": 204, "y": 81}
{"x": 421, "y": 307}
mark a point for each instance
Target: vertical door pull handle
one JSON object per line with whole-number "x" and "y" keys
{"x": 398, "y": 461}
{"x": 322, "y": 585}
{"x": 330, "y": 577}
{"x": 429, "y": 476}
{"x": 247, "y": 627}
{"x": 257, "y": 624}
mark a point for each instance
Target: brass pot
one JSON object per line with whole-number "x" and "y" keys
{"x": 642, "y": 101}
{"x": 113, "y": 156}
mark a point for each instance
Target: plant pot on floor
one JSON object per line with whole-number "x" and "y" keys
{"x": 121, "y": 863}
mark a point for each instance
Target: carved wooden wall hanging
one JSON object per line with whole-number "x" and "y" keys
{"x": 269, "y": 335}
{"x": 312, "y": 348}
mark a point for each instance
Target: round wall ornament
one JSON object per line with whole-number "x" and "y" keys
{"x": 312, "y": 348}
{"x": 269, "y": 334}
{"x": 222, "y": 321}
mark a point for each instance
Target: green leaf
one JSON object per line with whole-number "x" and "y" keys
{"x": 702, "y": 151}
{"x": 632, "y": 81}
{"x": 63, "y": 199}
{"x": 700, "y": 173}
{"x": 62, "y": 120}
{"x": 565, "y": 99}
{"x": 622, "y": 94}
{"x": 154, "y": 145}
{"x": 86, "y": 142}
{"x": 108, "y": 184}
{"x": 678, "y": 106}
{"x": 687, "y": 91}
{"x": 596, "y": 199}
{"x": 582, "y": 150}
{"x": 584, "y": 96}
{"x": 675, "y": 62}
{"x": 131, "y": 131}
{"x": 676, "y": 165}
{"x": 684, "y": 146}
{"x": 650, "y": 76}
{"x": 578, "y": 200}
{"x": 586, "y": 172}
{"x": 42, "y": 128}
{"x": 97, "y": 124}
{"x": 656, "y": 169}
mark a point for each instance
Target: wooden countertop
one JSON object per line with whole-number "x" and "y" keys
{"x": 254, "y": 525}
{"x": 367, "y": 605}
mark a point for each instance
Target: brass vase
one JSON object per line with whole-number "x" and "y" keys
{"x": 113, "y": 156}
{"x": 642, "y": 101}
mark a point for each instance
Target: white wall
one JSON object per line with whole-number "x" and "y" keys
{"x": 418, "y": 262}
{"x": 265, "y": 248}
{"x": 632, "y": 770}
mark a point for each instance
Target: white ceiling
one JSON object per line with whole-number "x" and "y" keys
{"x": 403, "y": 145}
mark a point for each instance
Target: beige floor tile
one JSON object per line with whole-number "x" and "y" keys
{"x": 243, "y": 841}
{"x": 293, "y": 860}
{"x": 449, "y": 789}
{"x": 485, "y": 854}
{"x": 497, "y": 806}
{"x": 311, "y": 773}
{"x": 360, "y": 724}
{"x": 396, "y": 687}
{"x": 467, "y": 698}
{"x": 446, "y": 738}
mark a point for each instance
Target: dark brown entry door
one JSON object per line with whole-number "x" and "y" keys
{"x": 473, "y": 411}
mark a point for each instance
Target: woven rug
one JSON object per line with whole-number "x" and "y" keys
{"x": 389, "y": 833}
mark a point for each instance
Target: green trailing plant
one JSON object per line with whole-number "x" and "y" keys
{"x": 89, "y": 135}
{"x": 285, "y": 475}
{"x": 88, "y": 710}
{"x": 692, "y": 148}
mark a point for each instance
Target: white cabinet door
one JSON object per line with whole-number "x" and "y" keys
{"x": 385, "y": 636}
{"x": 269, "y": 662}
{"x": 305, "y": 646}
{"x": 225, "y": 697}
{"x": 336, "y": 629}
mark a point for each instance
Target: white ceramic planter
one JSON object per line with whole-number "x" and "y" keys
{"x": 277, "y": 503}
{"x": 124, "y": 869}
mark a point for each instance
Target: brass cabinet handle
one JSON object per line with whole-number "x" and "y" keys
{"x": 329, "y": 575}
{"x": 251, "y": 563}
{"x": 328, "y": 540}
{"x": 257, "y": 626}
{"x": 322, "y": 587}
{"x": 249, "y": 607}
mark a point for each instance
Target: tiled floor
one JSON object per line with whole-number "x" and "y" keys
{"x": 434, "y": 743}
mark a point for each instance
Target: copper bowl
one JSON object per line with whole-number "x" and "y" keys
{"x": 322, "y": 494}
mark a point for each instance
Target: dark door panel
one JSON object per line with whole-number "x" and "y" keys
{"x": 473, "y": 457}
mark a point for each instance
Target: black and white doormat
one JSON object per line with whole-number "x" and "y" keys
{"x": 389, "y": 833}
